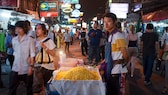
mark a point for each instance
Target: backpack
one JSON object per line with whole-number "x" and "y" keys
{"x": 43, "y": 56}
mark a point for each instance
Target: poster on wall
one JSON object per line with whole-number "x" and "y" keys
{"x": 9, "y": 3}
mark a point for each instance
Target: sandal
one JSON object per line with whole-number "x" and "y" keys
{"x": 165, "y": 90}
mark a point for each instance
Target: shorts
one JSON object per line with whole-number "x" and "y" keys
{"x": 40, "y": 78}
{"x": 133, "y": 51}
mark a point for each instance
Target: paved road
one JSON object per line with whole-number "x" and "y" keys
{"x": 134, "y": 86}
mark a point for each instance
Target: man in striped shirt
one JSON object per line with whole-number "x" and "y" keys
{"x": 116, "y": 56}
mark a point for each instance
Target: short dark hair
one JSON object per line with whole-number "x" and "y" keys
{"x": 166, "y": 28}
{"x": 11, "y": 27}
{"x": 119, "y": 25}
{"x": 27, "y": 22}
{"x": 22, "y": 25}
{"x": 111, "y": 15}
{"x": 149, "y": 26}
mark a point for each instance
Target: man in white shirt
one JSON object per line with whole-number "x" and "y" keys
{"x": 24, "y": 49}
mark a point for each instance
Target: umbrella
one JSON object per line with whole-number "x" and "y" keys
{"x": 156, "y": 16}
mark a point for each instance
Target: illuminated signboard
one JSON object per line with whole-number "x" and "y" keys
{"x": 120, "y": 9}
{"x": 71, "y": 1}
{"x": 137, "y": 7}
{"x": 48, "y": 9}
{"x": 9, "y": 3}
{"x": 48, "y": 6}
{"x": 48, "y": 14}
{"x": 75, "y": 13}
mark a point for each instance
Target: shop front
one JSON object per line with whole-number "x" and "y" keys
{"x": 11, "y": 17}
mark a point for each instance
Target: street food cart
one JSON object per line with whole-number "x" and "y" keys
{"x": 76, "y": 82}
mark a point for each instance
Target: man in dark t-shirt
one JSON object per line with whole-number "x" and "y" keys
{"x": 95, "y": 35}
{"x": 149, "y": 42}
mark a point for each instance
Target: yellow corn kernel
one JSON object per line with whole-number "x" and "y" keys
{"x": 78, "y": 73}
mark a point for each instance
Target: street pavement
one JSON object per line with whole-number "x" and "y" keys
{"x": 134, "y": 86}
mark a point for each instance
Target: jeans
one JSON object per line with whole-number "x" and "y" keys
{"x": 67, "y": 46}
{"x": 148, "y": 62}
{"x": 84, "y": 47}
{"x": 14, "y": 82}
{"x": 94, "y": 51}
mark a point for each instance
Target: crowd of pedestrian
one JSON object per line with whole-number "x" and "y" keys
{"x": 33, "y": 58}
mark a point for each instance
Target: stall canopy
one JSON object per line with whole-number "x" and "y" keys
{"x": 155, "y": 16}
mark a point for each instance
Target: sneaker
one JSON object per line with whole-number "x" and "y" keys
{"x": 147, "y": 83}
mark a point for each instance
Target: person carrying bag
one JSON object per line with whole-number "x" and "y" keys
{"x": 44, "y": 60}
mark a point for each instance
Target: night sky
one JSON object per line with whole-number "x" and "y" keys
{"x": 92, "y": 7}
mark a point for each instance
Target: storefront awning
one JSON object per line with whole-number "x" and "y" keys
{"x": 155, "y": 16}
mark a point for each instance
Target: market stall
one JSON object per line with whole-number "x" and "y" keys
{"x": 77, "y": 79}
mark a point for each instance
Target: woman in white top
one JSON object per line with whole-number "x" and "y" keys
{"x": 43, "y": 67}
{"x": 24, "y": 49}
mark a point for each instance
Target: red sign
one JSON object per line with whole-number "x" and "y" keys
{"x": 9, "y": 3}
{"x": 48, "y": 14}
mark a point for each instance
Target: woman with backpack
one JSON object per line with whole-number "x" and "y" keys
{"x": 44, "y": 60}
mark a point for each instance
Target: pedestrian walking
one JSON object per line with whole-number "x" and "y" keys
{"x": 22, "y": 70}
{"x": 102, "y": 46}
{"x": 2, "y": 53}
{"x": 102, "y": 43}
{"x": 8, "y": 44}
{"x": 132, "y": 39}
{"x": 59, "y": 39}
{"x": 83, "y": 41}
{"x": 116, "y": 57}
{"x": 52, "y": 34}
{"x": 150, "y": 46}
{"x": 44, "y": 65}
{"x": 72, "y": 36}
{"x": 30, "y": 33}
{"x": 67, "y": 40}
{"x": 165, "y": 58}
{"x": 94, "y": 36}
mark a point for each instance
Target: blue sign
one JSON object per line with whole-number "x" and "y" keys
{"x": 46, "y": 6}
{"x": 137, "y": 7}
